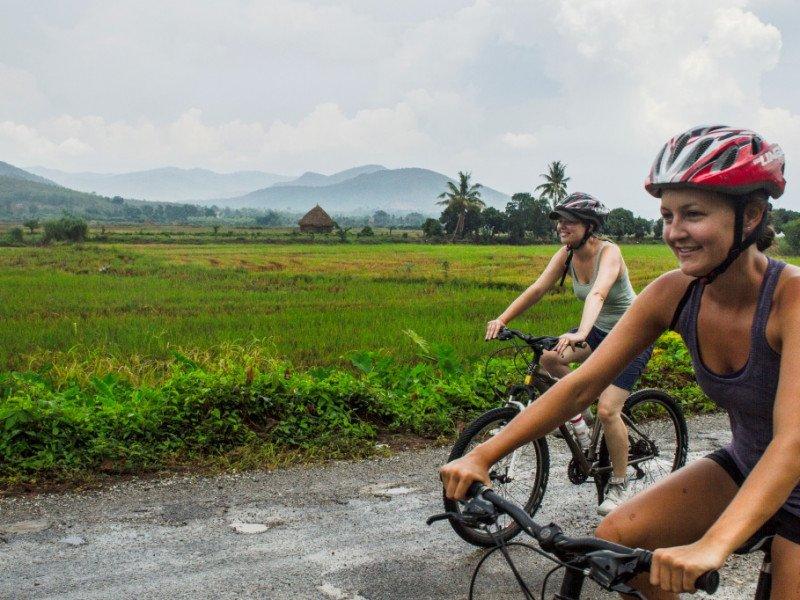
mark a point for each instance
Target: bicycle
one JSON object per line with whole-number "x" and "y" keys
{"x": 610, "y": 565}
{"x": 657, "y": 436}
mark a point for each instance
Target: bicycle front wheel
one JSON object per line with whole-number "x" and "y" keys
{"x": 658, "y": 440}
{"x": 521, "y": 476}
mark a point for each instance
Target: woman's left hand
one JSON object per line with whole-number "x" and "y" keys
{"x": 568, "y": 340}
{"x": 676, "y": 569}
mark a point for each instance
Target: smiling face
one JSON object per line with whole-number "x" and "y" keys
{"x": 698, "y": 227}
{"x": 569, "y": 231}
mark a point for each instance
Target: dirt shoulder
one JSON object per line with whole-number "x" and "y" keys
{"x": 346, "y": 530}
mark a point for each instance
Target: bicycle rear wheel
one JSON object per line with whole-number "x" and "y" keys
{"x": 521, "y": 476}
{"x": 657, "y": 437}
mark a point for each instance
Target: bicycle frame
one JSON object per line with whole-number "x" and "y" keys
{"x": 538, "y": 380}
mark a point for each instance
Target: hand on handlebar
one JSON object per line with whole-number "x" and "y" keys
{"x": 493, "y": 327}
{"x": 569, "y": 340}
{"x": 677, "y": 569}
{"x": 459, "y": 474}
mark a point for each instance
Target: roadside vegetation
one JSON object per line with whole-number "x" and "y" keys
{"x": 131, "y": 358}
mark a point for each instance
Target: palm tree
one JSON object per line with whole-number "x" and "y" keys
{"x": 555, "y": 186}
{"x": 460, "y": 199}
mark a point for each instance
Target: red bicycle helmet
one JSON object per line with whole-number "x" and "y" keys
{"x": 729, "y": 160}
{"x": 719, "y": 158}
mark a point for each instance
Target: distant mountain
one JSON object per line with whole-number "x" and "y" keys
{"x": 7, "y": 170}
{"x": 168, "y": 184}
{"x": 387, "y": 189}
{"x": 24, "y": 196}
{"x": 312, "y": 179}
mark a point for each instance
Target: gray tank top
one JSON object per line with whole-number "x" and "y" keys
{"x": 749, "y": 394}
{"x": 619, "y": 299}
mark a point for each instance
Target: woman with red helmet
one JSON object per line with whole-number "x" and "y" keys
{"x": 739, "y": 313}
{"x": 600, "y": 279}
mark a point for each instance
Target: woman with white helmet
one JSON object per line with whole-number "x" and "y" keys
{"x": 739, "y": 313}
{"x": 600, "y": 279}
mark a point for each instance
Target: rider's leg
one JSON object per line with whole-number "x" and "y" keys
{"x": 785, "y": 571}
{"x": 558, "y": 364}
{"x": 609, "y": 410}
{"x": 677, "y": 510}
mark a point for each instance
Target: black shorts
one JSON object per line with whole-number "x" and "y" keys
{"x": 628, "y": 377}
{"x": 782, "y": 523}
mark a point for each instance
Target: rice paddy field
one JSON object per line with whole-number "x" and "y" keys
{"x": 145, "y": 357}
{"x": 136, "y": 305}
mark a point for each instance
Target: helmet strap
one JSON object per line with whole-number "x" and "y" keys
{"x": 568, "y": 262}
{"x": 739, "y": 244}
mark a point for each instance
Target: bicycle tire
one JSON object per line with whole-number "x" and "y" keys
{"x": 533, "y": 486}
{"x": 671, "y": 439}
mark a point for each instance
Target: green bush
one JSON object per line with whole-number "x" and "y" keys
{"x": 66, "y": 229}
{"x": 15, "y": 236}
{"x": 90, "y": 423}
{"x": 792, "y": 232}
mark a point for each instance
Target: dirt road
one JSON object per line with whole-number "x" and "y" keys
{"x": 345, "y": 531}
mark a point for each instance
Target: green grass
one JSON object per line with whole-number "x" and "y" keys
{"x": 123, "y": 358}
{"x": 311, "y": 304}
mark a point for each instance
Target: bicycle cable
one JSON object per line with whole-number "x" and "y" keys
{"x": 503, "y": 547}
{"x": 546, "y": 577}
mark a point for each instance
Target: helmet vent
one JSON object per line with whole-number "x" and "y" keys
{"x": 696, "y": 153}
{"x": 657, "y": 164}
{"x": 756, "y": 144}
{"x": 679, "y": 146}
{"x": 726, "y": 159}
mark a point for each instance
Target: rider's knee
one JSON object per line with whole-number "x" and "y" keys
{"x": 608, "y": 412}
{"x": 611, "y": 529}
{"x": 551, "y": 359}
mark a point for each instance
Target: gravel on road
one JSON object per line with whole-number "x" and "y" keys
{"x": 342, "y": 531}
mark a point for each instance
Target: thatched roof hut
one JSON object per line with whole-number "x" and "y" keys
{"x": 316, "y": 221}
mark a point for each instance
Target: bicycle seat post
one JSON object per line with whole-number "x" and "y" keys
{"x": 764, "y": 586}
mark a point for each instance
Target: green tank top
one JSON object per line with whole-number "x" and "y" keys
{"x": 619, "y": 299}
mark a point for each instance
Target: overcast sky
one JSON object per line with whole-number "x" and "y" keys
{"x": 499, "y": 88}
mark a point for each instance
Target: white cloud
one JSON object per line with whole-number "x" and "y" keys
{"x": 497, "y": 87}
{"x": 327, "y": 134}
{"x": 518, "y": 140}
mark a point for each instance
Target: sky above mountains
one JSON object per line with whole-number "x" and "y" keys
{"x": 499, "y": 88}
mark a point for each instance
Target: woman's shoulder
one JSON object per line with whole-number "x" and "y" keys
{"x": 787, "y": 290}
{"x": 668, "y": 288}
{"x": 609, "y": 251}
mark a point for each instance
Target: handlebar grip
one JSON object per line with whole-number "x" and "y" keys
{"x": 708, "y": 582}
{"x": 475, "y": 488}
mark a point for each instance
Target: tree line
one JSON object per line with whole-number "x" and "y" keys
{"x": 526, "y": 216}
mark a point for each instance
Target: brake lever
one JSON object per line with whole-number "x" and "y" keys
{"x": 612, "y": 570}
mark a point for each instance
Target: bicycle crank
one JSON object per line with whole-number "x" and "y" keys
{"x": 575, "y": 474}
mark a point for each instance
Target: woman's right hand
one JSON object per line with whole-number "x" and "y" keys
{"x": 458, "y": 475}
{"x": 493, "y": 328}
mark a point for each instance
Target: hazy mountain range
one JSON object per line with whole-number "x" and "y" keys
{"x": 387, "y": 189}
{"x": 360, "y": 189}
{"x": 7, "y": 170}
{"x": 312, "y": 179}
{"x": 169, "y": 184}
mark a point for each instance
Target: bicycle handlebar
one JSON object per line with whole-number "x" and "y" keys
{"x": 610, "y": 564}
{"x": 544, "y": 342}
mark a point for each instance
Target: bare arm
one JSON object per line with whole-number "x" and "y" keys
{"x": 607, "y": 274}
{"x": 531, "y": 295}
{"x": 649, "y": 315}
